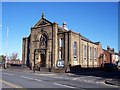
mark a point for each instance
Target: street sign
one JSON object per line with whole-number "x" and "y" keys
{"x": 60, "y": 63}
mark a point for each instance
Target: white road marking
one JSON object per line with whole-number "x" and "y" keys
{"x": 8, "y": 74}
{"x": 30, "y": 78}
{"x": 27, "y": 77}
{"x": 46, "y": 74}
{"x": 55, "y": 77}
{"x": 67, "y": 78}
{"x": 75, "y": 79}
{"x": 88, "y": 80}
{"x": 60, "y": 77}
{"x": 37, "y": 79}
{"x": 64, "y": 85}
{"x": 97, "y": 82}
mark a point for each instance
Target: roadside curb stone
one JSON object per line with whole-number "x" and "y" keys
{"x": 115, "y": 82}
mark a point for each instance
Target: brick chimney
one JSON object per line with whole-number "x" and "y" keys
{"x": 108, "y": 48}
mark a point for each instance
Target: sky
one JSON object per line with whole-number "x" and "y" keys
{"x": 97, "y": 21}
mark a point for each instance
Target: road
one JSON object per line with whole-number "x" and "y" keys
{"x": 26, "y": 79}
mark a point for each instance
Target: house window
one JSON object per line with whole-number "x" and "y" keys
{"x": 85, "y": 52}
{"x": 75, "y": 49}
{"x": 90, "y": 53}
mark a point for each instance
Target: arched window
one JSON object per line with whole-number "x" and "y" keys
{"x": 95, "y": 53}
{"x": 85, "y": 52}
{"x": 60, "y": 46}
{"x": 75, "y": 49}
{"x": 43, "y": 39}
{"x": 60, "y": 42}
{"x": 60, "y": 55}
{"x": 90, "y": 53}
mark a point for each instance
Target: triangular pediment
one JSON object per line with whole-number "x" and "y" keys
{"x": 42, "y": 22}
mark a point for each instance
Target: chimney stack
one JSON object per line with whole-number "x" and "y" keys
{"x": 65, "y": 26}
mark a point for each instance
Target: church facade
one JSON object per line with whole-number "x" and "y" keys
{"x": 52, "y": 46}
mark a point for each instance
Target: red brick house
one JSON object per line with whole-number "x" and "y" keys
{"x": 106, "y": 56}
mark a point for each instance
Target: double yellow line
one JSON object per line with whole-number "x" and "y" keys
{"x": 10, "y": 84}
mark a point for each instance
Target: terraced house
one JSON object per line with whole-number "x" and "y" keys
{"x": 52, "y": 46}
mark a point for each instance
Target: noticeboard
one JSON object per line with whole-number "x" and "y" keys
{"x": 60, "y": 63}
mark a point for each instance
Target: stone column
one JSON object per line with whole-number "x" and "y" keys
{"x": 26, "y": 49}
{"x": 93, "y": 56}
{"x": 48, "y": 53}
{"x": 55, "y": 44}
{"x": 32, "y": 47}
{"x": 23, "y": 51}
{"x": 87, "y": 54}
{"x": 66, "y": 49}
{"x": 69, "y": 42}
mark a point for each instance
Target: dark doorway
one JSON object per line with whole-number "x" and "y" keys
{"x": 43, "y": 59}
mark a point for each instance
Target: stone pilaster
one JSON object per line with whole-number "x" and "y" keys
{"x": 23, "y": 51}
{"x": 80, "y": 61}
{"x": 87, "y": 54}
{"x": 70, "y": 55}
{"x": 32, "y": 49}
{"x": 66, "y": 49}
{"x": 93, "y": 56}
{"x": 55, "y": 46}
{"x": 26, "y": 49}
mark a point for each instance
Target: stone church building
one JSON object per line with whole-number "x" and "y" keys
{"x": 52, "y": 46}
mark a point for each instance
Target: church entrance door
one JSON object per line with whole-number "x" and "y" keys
{"x": 43, "y": 58}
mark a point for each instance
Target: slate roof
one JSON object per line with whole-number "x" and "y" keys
{"x": 84, "y": 38}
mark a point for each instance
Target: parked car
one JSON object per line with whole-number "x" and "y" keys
{"x": 110, "y": 67}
